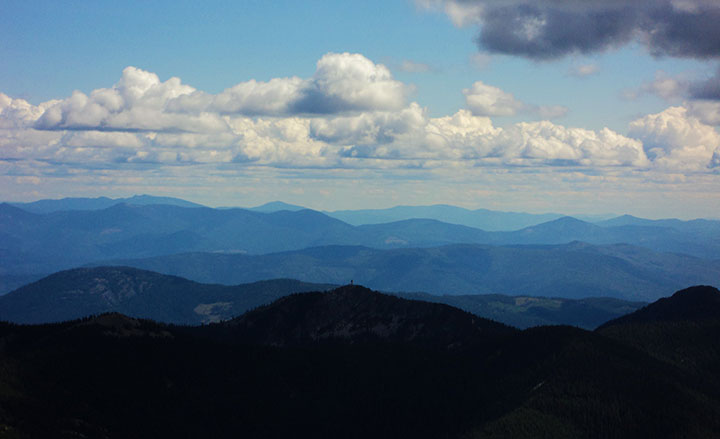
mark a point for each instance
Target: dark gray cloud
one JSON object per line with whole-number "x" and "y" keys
{"x": 707, "y": 89}
{"x": 546, "y": 29}
{"x": 692, "y": 33}
{"x": 538, "y": 31}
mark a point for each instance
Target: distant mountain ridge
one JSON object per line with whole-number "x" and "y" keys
{"x": 41, "y": 243}
{"x": 48, "y": 206}
{"x": 32, "y": 244}
{"x": 484, "y": 219}
{"x": 574, "y": 270}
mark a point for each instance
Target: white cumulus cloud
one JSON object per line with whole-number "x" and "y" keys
{"x": 135, "y": 103}
{"x": 343, "y": 82}
{"x": 350, "y": 114}
{"x": 486, "y": 100}
{"x": 674, "y": 139}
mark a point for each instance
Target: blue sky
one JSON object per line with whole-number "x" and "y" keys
{"x": 401, "y": 102}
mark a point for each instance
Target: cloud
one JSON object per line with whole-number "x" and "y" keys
{"x": 101, "y": 139}
{"x": 480, "y": 61}
{"x": 350, "y": 82}
{"x": 708, "y": 112}
{"x": 546, "y": 29}
{"x": 707, "y": 89}
{"x": 554, "y": 143}
{"x": 700, "y": 98}
{"x": 131, "y": 125}
{"x": 583, "y": 70}
{"x": 369, "y": 128}
{"x": 378, "y": 139}
{"x": 414, "y": 67}
{"x": 342, "y": 83}
{"x": 486, "y": 100}
{"x": 462, "y": 13}
{"x": 249, "y": 98}
{"x": 664, "y": 86}
{"x": 675, "y": 139}
{"x": 135, "y": 103}
{"x": 549, "y": 111}
{"x": 464, "y": 137}
{"x": 17, "y": 113}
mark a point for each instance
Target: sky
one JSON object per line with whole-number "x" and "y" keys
{"x": 570, "y": 106}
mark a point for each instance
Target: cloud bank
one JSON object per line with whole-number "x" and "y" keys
{"x": 352, "y": 114}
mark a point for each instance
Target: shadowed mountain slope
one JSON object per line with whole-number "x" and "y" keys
{"x": 82, "y": 292}
{"x": 354, "y": 313}
{"x": 683, "y": 330}
{"x": 696, "y": 303}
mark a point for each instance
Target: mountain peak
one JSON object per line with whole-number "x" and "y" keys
{"x": 10, "y": 210}
{"x": 565, "y": 224}
{"x": 119, "y": 325}
{"x": 698, "y": 293}
{"x": 567, "y": 220}
{"x": 353, "y": 313}
{"x": 275, "y": 206}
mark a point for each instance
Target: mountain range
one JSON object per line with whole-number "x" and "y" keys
{"x": 485, "y": 219}
{"x": 219, "y": 341}
{"x": 33, "y": 244}
{"x": 574, "y": 270}
{"x": 355, "y": 363}
{"x": 479, "y": 218}
{"x": 48, "y": 206}
{"x": 138, "y": 293}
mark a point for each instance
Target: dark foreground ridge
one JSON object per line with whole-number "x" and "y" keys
{"x": 683, "y": 330}
{"x": 695, "y": 303}
{"x": 353, "y": 313}
{"x": 354, "y": 363}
